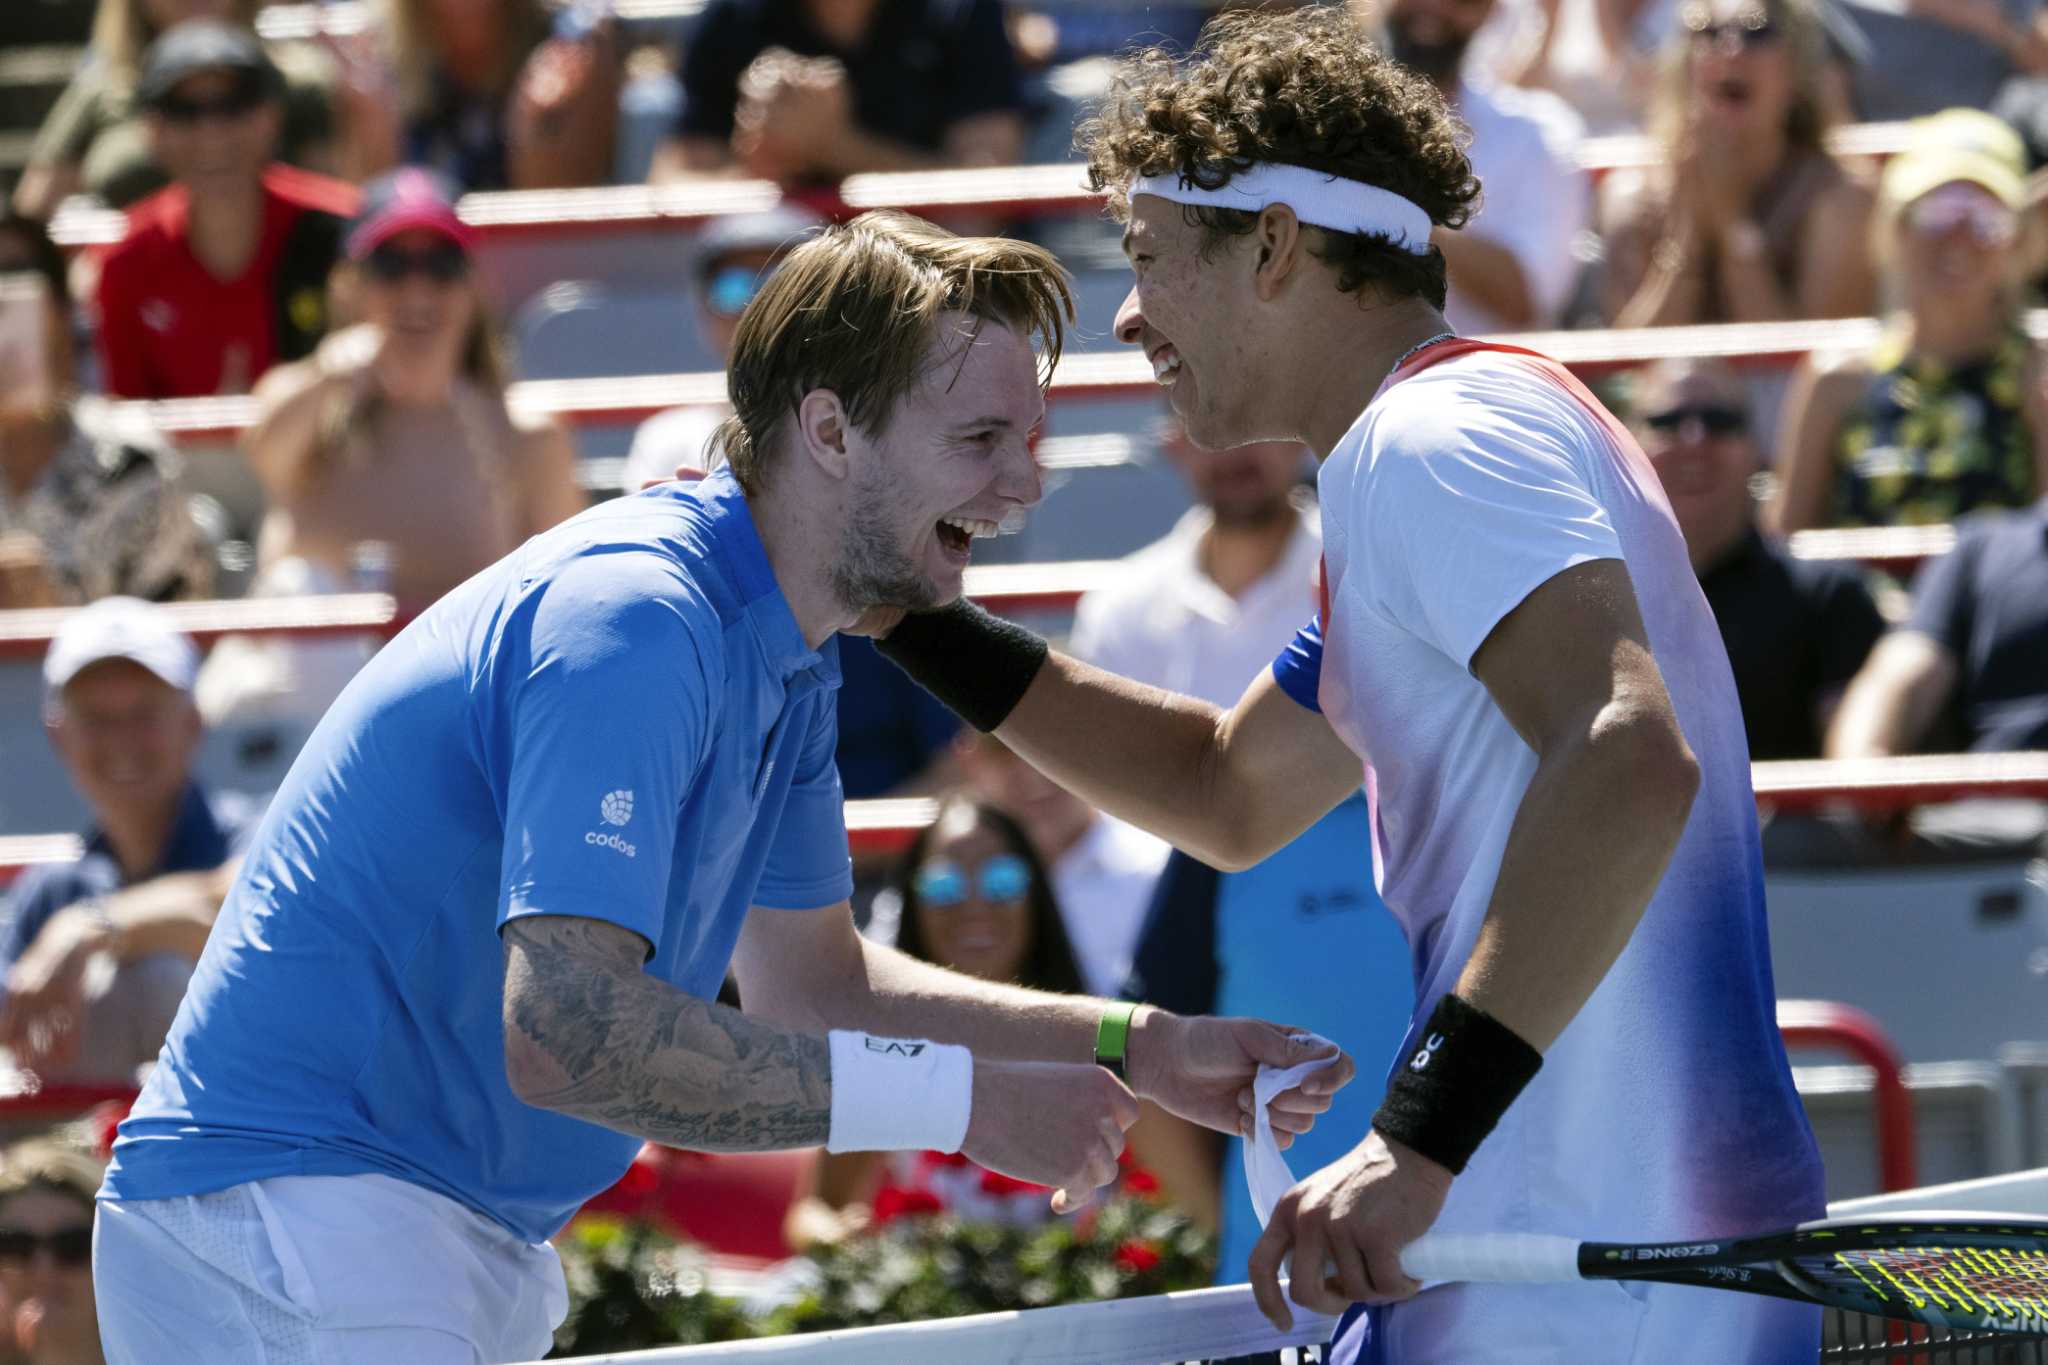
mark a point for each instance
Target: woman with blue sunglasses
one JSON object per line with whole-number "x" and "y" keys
{"x": 975, "y": 898}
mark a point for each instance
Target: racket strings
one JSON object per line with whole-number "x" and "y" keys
{"x": 1963, "y": 1281}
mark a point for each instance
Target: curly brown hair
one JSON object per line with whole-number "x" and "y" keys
{"x": 1305, "y": 88}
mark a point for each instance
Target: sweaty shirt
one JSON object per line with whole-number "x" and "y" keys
{"x": 619, "y": 721}
{"x": 1666, "y": 1109}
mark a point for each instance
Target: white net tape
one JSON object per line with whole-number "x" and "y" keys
{"x": 1200, "y": 1324}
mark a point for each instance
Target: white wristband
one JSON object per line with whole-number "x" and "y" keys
{"x": 898, "y": 1094}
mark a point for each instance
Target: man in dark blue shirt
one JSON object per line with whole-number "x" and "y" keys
{"x": 96, "y": 952}
{"x": 1974, "y": 652}
{"x": 801, "y": 90}
{"x": 1796, "y": 630}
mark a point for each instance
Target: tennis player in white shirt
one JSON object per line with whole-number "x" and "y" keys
{"x": 1513, "y": 642}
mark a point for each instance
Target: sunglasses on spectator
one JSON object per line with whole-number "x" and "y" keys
{"x": 1716, "y": 419}
{"x": 1747, "y": 32}
{"x": 67, "y": 1246}
{"x": 1960, "y": 206}
{"x": 240, "y": 100}
{"x": 730, "y": 288}
{"x": 443, "y": 263}
{"x": 943, "y": 884}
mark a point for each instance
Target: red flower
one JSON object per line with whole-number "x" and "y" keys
{"x": 995, "y": 1182}
{"x": 1139, "y": 1181}
{"x": 893, "y": 1201}
{"x": 1137, "y": 1256}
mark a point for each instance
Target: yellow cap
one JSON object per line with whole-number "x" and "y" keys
{"x": 1958, "y": 144}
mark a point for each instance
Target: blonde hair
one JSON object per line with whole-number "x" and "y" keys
{"x": 1809, "y": 116}
{"x": 522, "y": 25}
{"x": 856, "y": 309}
{"x": 122, "y": 30}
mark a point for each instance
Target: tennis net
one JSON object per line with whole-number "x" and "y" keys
{"x": 1223, "y": 1325}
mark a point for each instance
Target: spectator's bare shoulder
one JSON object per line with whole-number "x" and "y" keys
{"x": 290, "y": 399}
{"x": 284, "y": 387}
{"x": 545, "y": 453}
{"x": 1627, "y": 200}
{"x": 1833, "y": 380}
{"x": 1844, "y": 204}
{"x": 1835, "y": 373}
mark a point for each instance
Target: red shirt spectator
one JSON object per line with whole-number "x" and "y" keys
{"x": 225, "y": 273}
{"x": 169, "y": 328}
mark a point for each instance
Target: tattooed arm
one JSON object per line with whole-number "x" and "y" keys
{"x": 590, "y": 1034}
{"x": 811, "y": 970}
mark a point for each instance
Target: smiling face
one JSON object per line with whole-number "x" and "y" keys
{"x": 1955, "y": 245}
{"x": 972, "y": 898}
{"x": 951, "y": 465}
{"x": 1693, "y": 423}
{"x": 126, "y": 735}
{"x": 1189, "y": 314}
{"x": 215, "y": 131}
{"x": 1739, "y": 65}
{"x": 45, "y": 1273}
{"x": 417, "y": 289}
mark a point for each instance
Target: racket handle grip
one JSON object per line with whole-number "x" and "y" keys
{"x": 1492, "y": 1258}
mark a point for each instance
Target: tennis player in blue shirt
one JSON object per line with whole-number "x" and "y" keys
{"x": 470, "y": 960}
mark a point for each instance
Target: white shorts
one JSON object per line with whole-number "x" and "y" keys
{"x": 319, "y": 1270}
{"x": 1588, "y": 1323}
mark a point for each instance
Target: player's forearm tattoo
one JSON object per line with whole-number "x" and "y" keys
{"x": 588, "y": 1033}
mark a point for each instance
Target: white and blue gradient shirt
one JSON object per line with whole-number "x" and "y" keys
{"x": 619, "y": 721}
{"x": 1666, "y": 1109}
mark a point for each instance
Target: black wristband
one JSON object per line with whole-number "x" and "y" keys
{"x": 1460, "y": 1079}
{"x": 979, "y": 665}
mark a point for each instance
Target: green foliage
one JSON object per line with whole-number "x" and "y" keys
{"x": 939, "y": 1267}
{"x": 631, "y": 1287}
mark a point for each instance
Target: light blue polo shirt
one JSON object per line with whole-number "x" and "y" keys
{"x": 619, "y": 721}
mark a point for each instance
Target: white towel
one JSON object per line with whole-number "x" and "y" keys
{"x": 1265, "y": 1170}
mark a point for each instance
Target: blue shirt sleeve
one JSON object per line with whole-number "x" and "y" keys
{"x": 1945, "y": 595}
{"x": 808, "y": 864}
{"x": 609, "y": 707}
{"x": 1299, "y": 669}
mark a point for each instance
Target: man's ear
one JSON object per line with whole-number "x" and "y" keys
{"x": 821, "y": 425}
{"x": 1278, "y": 237}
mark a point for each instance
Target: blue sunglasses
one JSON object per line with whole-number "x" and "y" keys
{"x": 729, "y": 289}
{"x": 942, "y": 884}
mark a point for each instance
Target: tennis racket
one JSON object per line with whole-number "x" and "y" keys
{"x": 1966, "y": 1271}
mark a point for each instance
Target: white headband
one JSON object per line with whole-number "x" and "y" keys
{"x": 1327, "y": 201}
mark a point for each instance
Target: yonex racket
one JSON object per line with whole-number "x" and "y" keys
{"x": 1967, "y": 1271}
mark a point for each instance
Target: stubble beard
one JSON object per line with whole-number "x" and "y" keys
{"x": 872, "y": 571}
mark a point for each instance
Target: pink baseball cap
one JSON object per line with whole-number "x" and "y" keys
{"x": 408, "y": 198}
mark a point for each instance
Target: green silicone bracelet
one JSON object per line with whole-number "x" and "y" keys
{"x": 1113, "y": 1036}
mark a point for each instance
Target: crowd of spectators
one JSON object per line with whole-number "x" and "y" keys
{"x": 292, "y": 233}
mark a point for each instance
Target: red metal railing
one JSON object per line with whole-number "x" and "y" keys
{"x": 1848, "y": 1030}
{"x": 1875, "y": 786}
{"x": 1095, "y": 375}
{"x": 1006, "y": 192}
{"x": 1015, "y": 589}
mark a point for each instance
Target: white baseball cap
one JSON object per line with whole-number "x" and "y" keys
{"x": 120, "y": 628}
